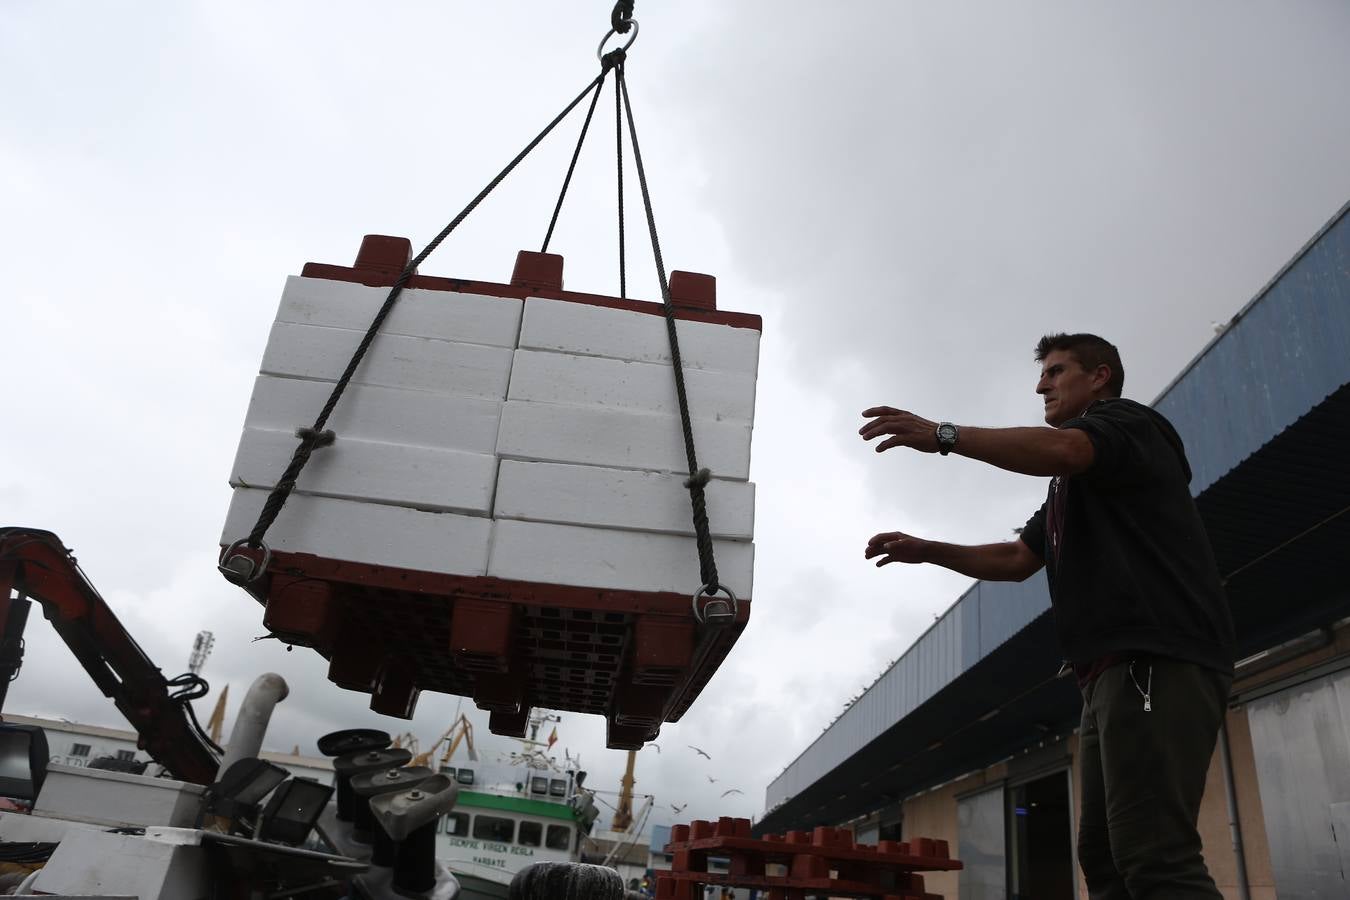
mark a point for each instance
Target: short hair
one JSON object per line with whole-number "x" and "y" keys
{"x": 1090, "y": 351}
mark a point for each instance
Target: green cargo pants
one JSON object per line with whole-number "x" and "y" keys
{"x": 1143, "y": 776}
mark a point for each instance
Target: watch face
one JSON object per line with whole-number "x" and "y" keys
{"x": 946, "y": 433}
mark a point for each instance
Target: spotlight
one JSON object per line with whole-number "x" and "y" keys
{"x": 242, "y": 787}
{"x": 293, "y": 810}
{"x": 23, "y": 761}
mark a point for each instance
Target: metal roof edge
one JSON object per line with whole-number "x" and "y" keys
{"x": 1265, "y": 289}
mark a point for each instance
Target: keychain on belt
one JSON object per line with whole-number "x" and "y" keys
{"x": 1145, "y": 692}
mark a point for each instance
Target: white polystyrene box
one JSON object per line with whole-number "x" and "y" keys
{"x": 621, "y": 439}
{"x": 611, "y": 559}
{"x": 372, "y": 413}
{"x": 625, "y": 384}
{"x": 322, "y": 353}
{"x": 620, "y": 499}
{"x": 350, "y": 469}
{"x": 586, "y": 330}
{"x": 534, "y": 440}
{"x": 418, "y": 312}
{"x": 371, "y": 533}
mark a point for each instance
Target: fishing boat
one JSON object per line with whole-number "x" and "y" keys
{"x": 522, "y": 809}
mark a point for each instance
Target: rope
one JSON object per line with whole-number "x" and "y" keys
{"x": 618, "y": 18}
{"x": 313, "y": 438}
{"x": 698, "y": 478}
{"x": 567, "y": 179}
{"x": 618, "y": 141}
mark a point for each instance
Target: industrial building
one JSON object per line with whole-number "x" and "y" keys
{"x": 970, "y": 735}
{"x": 77, "y": 744}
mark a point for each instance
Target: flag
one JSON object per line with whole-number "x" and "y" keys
{"x": 553, "y": 737}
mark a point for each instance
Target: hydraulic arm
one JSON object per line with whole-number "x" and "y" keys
{"x": 35, "y": 565}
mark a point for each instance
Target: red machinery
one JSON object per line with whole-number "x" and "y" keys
{"x": 35, "y": 565}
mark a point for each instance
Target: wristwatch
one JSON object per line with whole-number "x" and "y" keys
{"x": 947, "y": 434}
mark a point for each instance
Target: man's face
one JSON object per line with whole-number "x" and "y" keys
{"x": 1066, "y": 386}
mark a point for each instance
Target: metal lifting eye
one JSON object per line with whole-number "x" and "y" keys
{"x": 715, "y": 611}
{"x": 600, "y": 51}
{"x": 240, "y": 569}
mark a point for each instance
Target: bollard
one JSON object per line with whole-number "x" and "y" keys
{"x": 566, "y": 881}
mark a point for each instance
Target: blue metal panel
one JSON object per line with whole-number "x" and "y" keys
{"x": 969, "y": 616}
{"x": 1280, "y": 357}
{"x": 1006, "y": 608}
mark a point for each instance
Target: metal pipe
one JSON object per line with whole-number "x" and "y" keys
{"x": 246, "y": 738}
{"x": 1234, "y": 823}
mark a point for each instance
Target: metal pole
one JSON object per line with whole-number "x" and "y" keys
{"x": 1234, "y": 823}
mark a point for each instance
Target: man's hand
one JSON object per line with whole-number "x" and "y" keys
{"x": 907, "y": 429}
{"x": 896, "y": 546}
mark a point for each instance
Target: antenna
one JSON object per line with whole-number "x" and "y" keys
{"x": 201, "y": 649}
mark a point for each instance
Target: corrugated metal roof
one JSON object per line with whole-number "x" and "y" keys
{"x": 1266, "y": 422}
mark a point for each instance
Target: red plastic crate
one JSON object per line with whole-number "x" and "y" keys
{"x": 823, "y": 861}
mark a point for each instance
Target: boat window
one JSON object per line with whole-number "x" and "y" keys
{"x": 464, "y": 776}
{"x": 454, "y": 823}
{"x": 531, "y": 834}
{"x": 557, "y": 788}
{"x": 494, "y": 828}
{"x": 559, "y": 837}
{"x": 538, "y": 785}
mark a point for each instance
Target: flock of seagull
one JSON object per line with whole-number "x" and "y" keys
{"x": 679, "y": 807}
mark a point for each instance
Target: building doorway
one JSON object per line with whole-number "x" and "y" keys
{"x": 1040, "y": 839}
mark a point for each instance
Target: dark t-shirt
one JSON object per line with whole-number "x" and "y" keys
{"x": 1129, "y": 563}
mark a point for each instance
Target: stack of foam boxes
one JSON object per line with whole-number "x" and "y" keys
{"x": 515, "y": 454}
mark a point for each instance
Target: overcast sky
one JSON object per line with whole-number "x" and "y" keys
{"x": 910, "y": 194}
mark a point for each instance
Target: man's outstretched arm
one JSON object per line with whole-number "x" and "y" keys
{"x": 1030, "y": 451}
{"x": 1007, "y": 561}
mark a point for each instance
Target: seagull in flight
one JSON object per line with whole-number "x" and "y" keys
{"x": 699, "y": 752}
{"x": 732, "y": 791}
{"x": 678, "y": 809}
{"x": 711, "y": 780}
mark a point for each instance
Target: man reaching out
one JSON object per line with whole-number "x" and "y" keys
{"x": 1138, "y": 606}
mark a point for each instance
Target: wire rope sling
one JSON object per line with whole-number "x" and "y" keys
{"x": 487, "y": 502}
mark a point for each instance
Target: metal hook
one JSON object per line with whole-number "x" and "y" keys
{"x": 715, "y": 611}
{"x": 240, "y": 569}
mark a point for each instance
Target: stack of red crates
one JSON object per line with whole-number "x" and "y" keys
{"x": 798, "y": 864}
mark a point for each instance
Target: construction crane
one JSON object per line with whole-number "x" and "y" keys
{"x": 623, "y": 813}
{"x": 408, "y": 741}
{"x": 461, "y": 730}
{"x": 216, "y": 724}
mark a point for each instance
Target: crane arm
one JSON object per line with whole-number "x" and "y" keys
{"x": 35, "y": 565}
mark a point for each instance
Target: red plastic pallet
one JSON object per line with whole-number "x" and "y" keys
{"x": 823, "y": 861}
{"x": 637, "y": 658}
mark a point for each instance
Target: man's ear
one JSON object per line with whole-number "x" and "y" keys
{"x": 1101, "y": 376}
